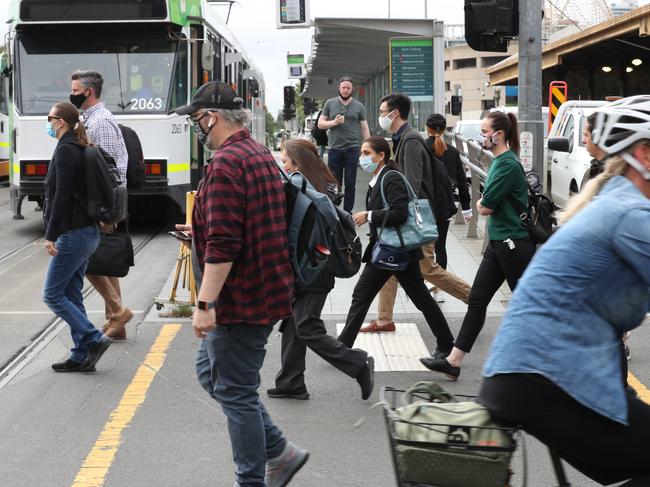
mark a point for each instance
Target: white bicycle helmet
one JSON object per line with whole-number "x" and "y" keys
{"x": 622, "y": 123}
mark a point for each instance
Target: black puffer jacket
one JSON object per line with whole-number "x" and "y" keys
{"x": 65, "y": 179}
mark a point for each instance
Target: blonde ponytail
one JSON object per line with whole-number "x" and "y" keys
{"x": 615, "y": 166}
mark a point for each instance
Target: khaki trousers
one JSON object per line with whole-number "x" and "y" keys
{"x": 109, "y": 289}
{"x": 431, "y": 272}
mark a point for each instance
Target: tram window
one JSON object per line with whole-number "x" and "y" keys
{"x": 3, "y": 96}
{"x": 179, "y": 86}
{"x": 39, "y": 10}
{"x": 137, "y": 72}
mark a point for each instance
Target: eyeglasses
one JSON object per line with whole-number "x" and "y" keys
{"x": 194, "y": 119}
{"x": 51, "y": 117}
{"x": 381, "y": 112}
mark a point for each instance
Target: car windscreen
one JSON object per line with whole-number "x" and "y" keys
{"x": 137, "y": 72}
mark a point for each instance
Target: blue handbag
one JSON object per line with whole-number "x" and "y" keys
{"x": 389, "y": 258}
{"x": 419, "y": 228}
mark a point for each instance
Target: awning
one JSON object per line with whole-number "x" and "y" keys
{"x": 627, "y": 28}
{"x": 354, "y": 47}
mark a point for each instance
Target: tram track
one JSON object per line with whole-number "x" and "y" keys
{"x": 12, "y": 367}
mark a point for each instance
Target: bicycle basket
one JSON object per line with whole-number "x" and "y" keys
{"x": 452, "y": 443}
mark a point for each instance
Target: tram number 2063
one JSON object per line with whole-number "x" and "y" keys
{"x": 146, "y": 104}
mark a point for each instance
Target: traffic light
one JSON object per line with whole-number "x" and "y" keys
{"x": 489, "y": 24}
{"x": 289, "y": 110}
{"x": 309, "y": 105}
{"x": 456, "y": 104}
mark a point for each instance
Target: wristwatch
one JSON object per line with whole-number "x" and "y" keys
{"x": 205, "y": 305}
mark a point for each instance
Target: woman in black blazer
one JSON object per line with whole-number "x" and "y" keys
{"x": 375, "y": 154}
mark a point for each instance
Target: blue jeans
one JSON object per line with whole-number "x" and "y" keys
{"x": 64, "y": 282}
{"x": 228, "y": 368}
{"x": 343, "y": 163}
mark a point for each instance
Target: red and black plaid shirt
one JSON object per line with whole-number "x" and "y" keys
{"x": 239, "y": 217}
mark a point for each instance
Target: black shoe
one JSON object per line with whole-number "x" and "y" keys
{"x": 441, "y": 365}
{"x": 439, "y": 354}
{"x": 289, "y": 393}
{"x": 71, "y": 366}
{"x": 366, "y": 378}
{"x": 95, "y": 352}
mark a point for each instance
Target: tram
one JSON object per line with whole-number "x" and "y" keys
{"x": 153, "y": 54}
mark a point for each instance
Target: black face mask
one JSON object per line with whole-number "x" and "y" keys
{"x": 77, "y": 100}
{"x": 344, "y": 97}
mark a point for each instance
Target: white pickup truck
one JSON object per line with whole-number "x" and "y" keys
{"x": 567, "y": 159}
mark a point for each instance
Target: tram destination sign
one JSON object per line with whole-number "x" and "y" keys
{"x": 411, "y": 67}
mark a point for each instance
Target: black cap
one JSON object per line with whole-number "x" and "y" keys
{"x": 436, "y": 122}
{"x": 215, "y": 94}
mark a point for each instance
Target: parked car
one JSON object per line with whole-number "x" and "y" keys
{"x": 568, "y": 161}
{"x": 467, "y": 128}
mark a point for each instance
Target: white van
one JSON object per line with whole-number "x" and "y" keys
{"x": 568, "y": 161}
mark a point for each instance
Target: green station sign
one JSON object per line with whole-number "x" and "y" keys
{"x": 411, "y": 67}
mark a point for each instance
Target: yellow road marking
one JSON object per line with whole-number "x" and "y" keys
{"x": 637, "y": 385}
{"x": 96, "y": 465}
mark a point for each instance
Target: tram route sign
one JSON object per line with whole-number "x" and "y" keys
{"x": 411, "y": 67}
{"x": 292, "y": 14}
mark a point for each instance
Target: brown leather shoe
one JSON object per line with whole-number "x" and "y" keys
{"x": 375, "y": 327}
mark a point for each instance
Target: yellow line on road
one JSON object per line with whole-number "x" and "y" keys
{"x": 95, "y": 467}
{"x": 642, "y": 391}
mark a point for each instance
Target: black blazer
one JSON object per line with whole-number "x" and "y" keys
{"x": 397, "y": 198}
{"x": 65, "y": 179}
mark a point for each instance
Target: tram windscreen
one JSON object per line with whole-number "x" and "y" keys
{"x": 41, "y": 10}
{"x": 140, "y": 75}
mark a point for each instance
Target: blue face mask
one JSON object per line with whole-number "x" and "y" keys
{"x": 50, "y": 130}
{"x": 367, "y": 164}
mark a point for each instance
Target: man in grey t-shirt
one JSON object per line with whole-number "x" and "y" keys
{"x": 345, "y": 118}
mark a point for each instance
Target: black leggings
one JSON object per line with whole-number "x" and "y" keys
{"x": 441, "y": 243}
{"x": 500, "y": 263}
{"x": 602, "y": 449}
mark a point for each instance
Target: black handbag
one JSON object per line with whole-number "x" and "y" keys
{"x": 113, "y": 256}
{"x": 389, "y": 258}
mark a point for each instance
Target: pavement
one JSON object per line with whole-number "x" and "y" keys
{"x": 142, "y": 419}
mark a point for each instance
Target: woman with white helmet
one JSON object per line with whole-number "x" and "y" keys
{"x": 589, "y": 284}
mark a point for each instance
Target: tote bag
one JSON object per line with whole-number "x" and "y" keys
{"x": 420, "y": 226}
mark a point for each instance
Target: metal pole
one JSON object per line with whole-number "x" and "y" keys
{"x": 530, "y": 77}
{"x": 438, "y": 66}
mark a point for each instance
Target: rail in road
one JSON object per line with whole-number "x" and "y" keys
{"x": 38, "y": 342}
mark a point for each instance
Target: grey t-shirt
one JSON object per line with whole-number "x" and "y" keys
{"x": 348, "y": 134}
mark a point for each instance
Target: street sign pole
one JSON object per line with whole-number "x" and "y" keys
{"x": 530, "y": 79}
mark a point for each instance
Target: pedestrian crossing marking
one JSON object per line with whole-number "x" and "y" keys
{"x": 393, "y": 351}
{"x": 642, "y": 391}
{"x": 95, "y": 467}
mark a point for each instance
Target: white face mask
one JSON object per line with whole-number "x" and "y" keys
{"x": 367, "y": 164}
{"x": 385, "y": 122}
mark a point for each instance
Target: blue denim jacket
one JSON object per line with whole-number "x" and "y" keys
{"x": 584, "y": 288}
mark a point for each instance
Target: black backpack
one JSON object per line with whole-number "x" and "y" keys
{"x": 319, "y": 135}
{"x": 105, "y": 199}
{"x": 135, "y": 173}
{"x": 345, "y": 259}
{"x": 442, "y": 199}
{"x": 539, "y": 217}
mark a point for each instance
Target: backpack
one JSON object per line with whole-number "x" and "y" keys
{"x": 345, "y": 259}
{"x": 319, "y": 135}
{"x": 135, "y": 173}
{"x": 105, "y": 199}
{"x": 442, "y": 199}
{"x": 320, "y": 234}
{"x": 539, "y": 217}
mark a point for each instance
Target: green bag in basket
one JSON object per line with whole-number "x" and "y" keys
{"x": 447, "y": 443}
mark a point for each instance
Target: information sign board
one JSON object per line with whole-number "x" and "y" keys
{"x": 411, "y": 67}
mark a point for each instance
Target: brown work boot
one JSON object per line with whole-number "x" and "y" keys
{"x": 375, "y": 327}
{"x": 116, "y": 326}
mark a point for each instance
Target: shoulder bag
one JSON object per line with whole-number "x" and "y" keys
{"x": 113, "y": 256}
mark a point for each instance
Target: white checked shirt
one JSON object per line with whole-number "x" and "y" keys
{"x": 103, "y": 131}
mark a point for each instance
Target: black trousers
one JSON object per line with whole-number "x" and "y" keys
{"x": 441, "y": 243}
{"x": 306, "y": 329}
{"x": 602, "y": 449}
{"x": 500, "y": 263}
{"x": 371, "y": 281}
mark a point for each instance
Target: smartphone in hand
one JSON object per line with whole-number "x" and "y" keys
{"x": 180, "y": 235}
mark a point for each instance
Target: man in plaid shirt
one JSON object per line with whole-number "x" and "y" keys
{"x": 103, "y": 131}
{"x": 240, "y": 238}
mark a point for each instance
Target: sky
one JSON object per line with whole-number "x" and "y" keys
{"x": 253, "y": 23}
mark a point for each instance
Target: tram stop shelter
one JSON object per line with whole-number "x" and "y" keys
{"x": 608, "y": 59}
{"x": 359, "y": 48}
